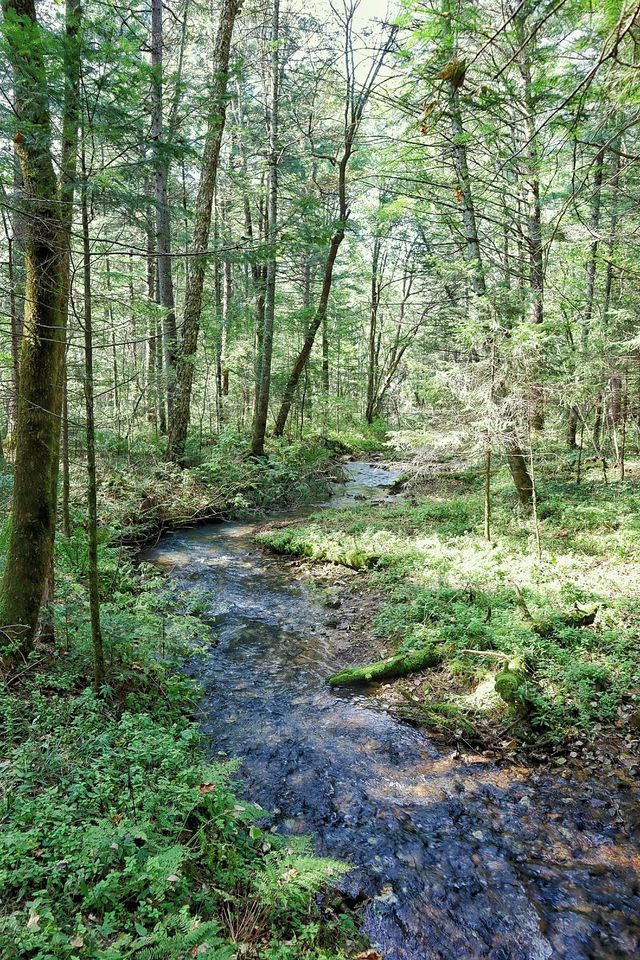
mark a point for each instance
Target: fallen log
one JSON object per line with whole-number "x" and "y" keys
{"x": 396, "y": 666}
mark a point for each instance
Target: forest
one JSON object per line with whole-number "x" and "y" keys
{"x": 319, "y": 479}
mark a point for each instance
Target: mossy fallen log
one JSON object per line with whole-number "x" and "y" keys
{"x": 574, "y": 618}
{"x": 511, "y": 686}
{"x": 396, "y": 666}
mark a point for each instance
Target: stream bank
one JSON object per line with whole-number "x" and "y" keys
{"x": 452, "y": 855}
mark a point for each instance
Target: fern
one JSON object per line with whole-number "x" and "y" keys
{"x": 183, "y": 937}
{"x": 290, "y": 875}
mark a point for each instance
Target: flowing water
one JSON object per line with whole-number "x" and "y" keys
{"x": 457, "y": 857}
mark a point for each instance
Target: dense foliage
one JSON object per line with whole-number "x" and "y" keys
{"x": 237, "y": 242}
{"x": 119, "y": 837}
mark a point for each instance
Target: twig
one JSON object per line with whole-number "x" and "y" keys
{"x": 30, "y": 666}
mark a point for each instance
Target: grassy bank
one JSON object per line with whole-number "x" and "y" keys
{"x": 566, "y": 622}
{"x": 118, "y": 837}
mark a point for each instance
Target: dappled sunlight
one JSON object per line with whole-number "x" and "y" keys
{"x": 432, "y": 834}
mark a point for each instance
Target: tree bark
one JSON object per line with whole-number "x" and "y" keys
{"x": 193, "y": 294}
{"x": 151, "y": 341}
{"x": 92, "y": 506}
{"x": 264, "y": 381}
{"x": 16, "y": 246}
{"x": 472, "y": 242}
{"x": 31, "y": 542}
{"x": 166, "y": 296}
{"x": 518, "y": 467}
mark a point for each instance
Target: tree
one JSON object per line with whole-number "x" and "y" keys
{"x": 44, "y": 332}
{"x": 92, "y": 503}
{"x": 266, "y": 340}
{"x": 354, "y": 107}
{"x": 193, "y": 294}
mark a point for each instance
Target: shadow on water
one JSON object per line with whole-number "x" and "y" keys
{"x": 461, "y": 859}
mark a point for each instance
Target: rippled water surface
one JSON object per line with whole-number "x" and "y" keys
{"x": 460, "y": 859}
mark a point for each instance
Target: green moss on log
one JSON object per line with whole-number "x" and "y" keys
{"x": 396, "y": 666}
{"x": 574, "y": 619}
{"x": 510, "y": 686}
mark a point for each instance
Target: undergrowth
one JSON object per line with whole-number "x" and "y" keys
{"x": 118, "y": 838}
{"x": 570, "y": 618}
{"x": 140, "y": 494}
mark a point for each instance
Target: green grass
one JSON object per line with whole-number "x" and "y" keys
{"x": 445, "y": 585}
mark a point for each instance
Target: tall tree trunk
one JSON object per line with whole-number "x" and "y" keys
{"x": 454, "y": 74}
{"x": 66, "y": 484}
{"x": 592, "y": 262}
{"x": 264, "y": 381}
{"x": 16, "y": 247}
{"x": 227, "y": 296}
{"x": 92, "y": 506}
{"x": 611, "y": 243}
{"x": 315, "y": 325}
{"x": 151, "y": 342}
{"x": 258, "y": 275}
{"x": 66, "y": 190}
{"x": 193, "y": 294}
{"x": 166, "y": 296}
{"x": 38, "y": 427}
{"x": 217, "y": 303}
{"x": 325, "y": 356}
{"x": 532, "y": 185}
{"x": 355, "y": 103}
{"x": 373, "y": 331}
{"x": 590, "y": 285}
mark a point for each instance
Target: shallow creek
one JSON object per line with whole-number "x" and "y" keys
{"x": 460, "y": 859}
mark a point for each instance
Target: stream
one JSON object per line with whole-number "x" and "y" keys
{"x": 458, "y": 857}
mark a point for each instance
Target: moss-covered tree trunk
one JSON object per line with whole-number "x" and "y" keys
{"x": 396, "y": 666}
{"x": 43, "y": 342}
{"x": 15, "y": 254}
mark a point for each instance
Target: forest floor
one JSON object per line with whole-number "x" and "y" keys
{"x": 415, "y": 571}
{"x": 119, "y": 836}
